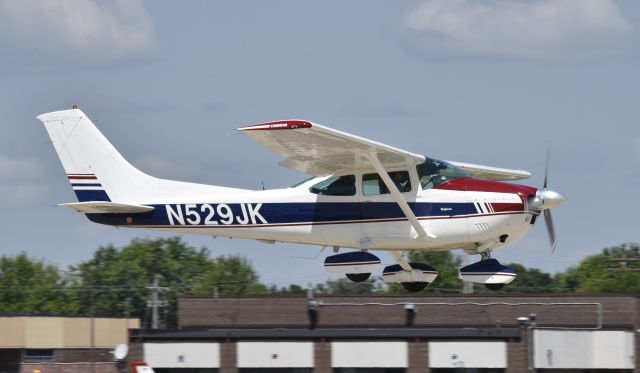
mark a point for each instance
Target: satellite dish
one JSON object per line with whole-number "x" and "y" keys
{"x": 121, "y": 351}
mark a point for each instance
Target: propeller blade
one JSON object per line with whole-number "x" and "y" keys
{"x": 550, "y": 229}
{"x": 546, "y": 165}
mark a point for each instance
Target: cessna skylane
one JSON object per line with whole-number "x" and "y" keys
{"x": 362, "y": 195}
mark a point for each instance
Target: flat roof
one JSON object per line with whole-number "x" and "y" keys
{"x": 331, "y": 333}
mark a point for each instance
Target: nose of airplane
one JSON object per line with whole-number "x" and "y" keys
{"x": 545, "y": 199}
{"x": 552, "y": 198}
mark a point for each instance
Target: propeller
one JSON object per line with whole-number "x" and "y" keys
{"x": 546, "y": 199}
{"x": 548, "y": 220}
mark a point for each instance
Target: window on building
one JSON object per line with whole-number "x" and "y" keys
{"x": 336, "y": 186}
{"x": 372, "y": 184}
{"x": 37, "y": 355}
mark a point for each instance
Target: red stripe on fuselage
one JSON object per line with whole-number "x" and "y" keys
{"x": 82, "y": 177}
{"x": 268, "y": 225}
{"x": 504, "y": 207}
{"x": 478, "y": 185}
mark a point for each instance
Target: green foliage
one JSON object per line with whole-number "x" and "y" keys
{"x": 114, "y": 282}
{"x": 346, "y": 286}
{"x": 607, "y": 272}
{"x": 119, "y": 278}
{"x": 293, "y": 289}
{"x": 31, "y": 286}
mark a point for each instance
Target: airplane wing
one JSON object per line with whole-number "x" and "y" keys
{"x": 492, "y": 173}
{"x": 317, "y": 150}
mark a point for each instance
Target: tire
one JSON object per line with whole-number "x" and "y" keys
{"x": 415, "y": 286}
{"x": 494, "y": 287}
{"x": 358, "y": 277}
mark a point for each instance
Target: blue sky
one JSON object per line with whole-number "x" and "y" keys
{"x": 485, "y": 82}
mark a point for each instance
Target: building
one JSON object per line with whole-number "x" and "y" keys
{"x": 396, "y": 334}
{"x": 52, "y": 344}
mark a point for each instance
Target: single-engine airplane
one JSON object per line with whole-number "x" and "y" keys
{"x": 362, "y": 195}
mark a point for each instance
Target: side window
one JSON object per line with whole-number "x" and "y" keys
{"x": 336, "y": 186}
{"x": 372, "y": 184}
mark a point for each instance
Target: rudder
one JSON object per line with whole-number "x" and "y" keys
{"x": 94, "y": 167}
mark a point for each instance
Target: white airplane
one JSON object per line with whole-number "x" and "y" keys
{"x": 362, "y": 195}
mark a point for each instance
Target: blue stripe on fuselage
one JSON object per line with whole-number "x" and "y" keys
{"x": 283, "y": 213}
{"x": 86, "y": 185}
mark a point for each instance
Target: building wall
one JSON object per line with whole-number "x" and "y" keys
{"x": 70, "y": 368}
{"x": 614, "y": 312}
{"x": 246, "y": 312}
{"x": 414, "y": 356}
{"x": 63, "y": 332}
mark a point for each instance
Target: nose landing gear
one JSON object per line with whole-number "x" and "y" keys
{"x": 488, "y": 272}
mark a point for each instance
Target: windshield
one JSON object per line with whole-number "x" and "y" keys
{"x": 302, "y": 182}
{"x": 433, "y": 172}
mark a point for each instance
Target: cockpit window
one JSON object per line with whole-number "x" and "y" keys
{"x": 336, "y": 186}
{"x": 372, "y": 184}
{"x": 433, "y": 172}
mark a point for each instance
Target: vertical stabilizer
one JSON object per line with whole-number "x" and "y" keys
{"x": 96, "y": 171}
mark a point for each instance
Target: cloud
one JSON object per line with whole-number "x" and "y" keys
{"x": 564, "y": 29}
{"x": 360, "y": 108}
{"x": 70, "y": 29}
{"x": 19, "y": 169}
{"x": 18, "y": 181}
{"x": 635, "y": 147}
{"x": 21, "y": 193}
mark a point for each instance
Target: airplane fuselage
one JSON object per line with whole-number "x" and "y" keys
{"x": 462, "y": 213}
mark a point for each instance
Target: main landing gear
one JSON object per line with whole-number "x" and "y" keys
{"x": 414, "y": 277}
{"x": 358, "y": 266}
{"x": 358, "y": 277}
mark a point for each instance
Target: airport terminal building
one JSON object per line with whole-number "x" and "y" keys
{"x": 397, "y": 334}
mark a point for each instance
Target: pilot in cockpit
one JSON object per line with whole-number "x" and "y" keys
{"x": 401, "y": 180}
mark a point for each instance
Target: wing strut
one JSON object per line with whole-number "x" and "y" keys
{"x": 404, "y": 206}
{"x": 398, "y": 256}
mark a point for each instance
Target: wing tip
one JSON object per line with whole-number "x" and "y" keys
{"x": 288, "y": 124}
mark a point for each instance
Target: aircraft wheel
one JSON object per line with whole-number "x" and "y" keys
{"x": 494, "y": 287}
{"x": 358, "y": 277}
{"x": 415, "y": 286}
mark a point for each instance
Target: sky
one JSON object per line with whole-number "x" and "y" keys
{"x": 479, "y": 81}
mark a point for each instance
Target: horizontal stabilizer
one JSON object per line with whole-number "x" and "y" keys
{"x": 101, "y": 207}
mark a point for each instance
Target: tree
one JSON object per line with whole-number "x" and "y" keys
{"x": 31, "y": 286}
{"x": 118, "y": 278}
{"x": 346, "y": 286}
{"x": 615, "y": 270}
